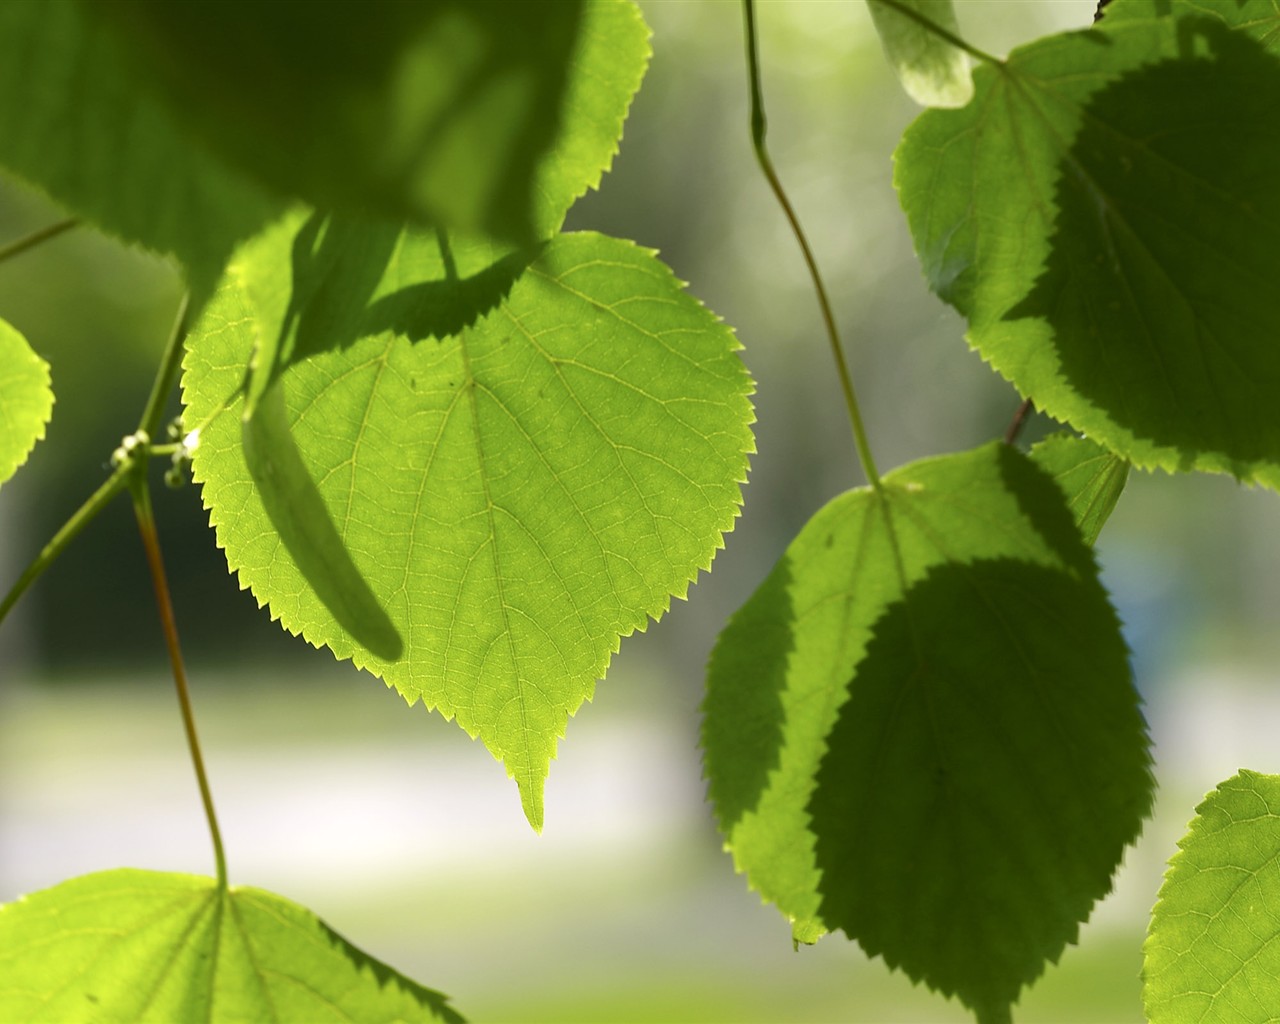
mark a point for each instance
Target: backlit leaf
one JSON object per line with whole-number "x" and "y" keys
{"x": 1213, "y": 946}
{"x": 472, "y": 114}
{"x": 1104, "y": 213}
{"x": 26, "y": 400}
{"x": 146, "y": 946}
{"x": 1091, "y": 477}
{"x": 932, "y": 71}
{"x": 921, "y": 729}
{"x": 472, "y": 473}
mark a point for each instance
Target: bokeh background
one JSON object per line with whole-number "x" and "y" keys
{"x": 406, "y": 836}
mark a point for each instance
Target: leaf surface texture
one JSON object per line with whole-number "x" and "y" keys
{"x": 1091, "y": 478}
{"x": 924, "y": 698}
{"x": 158, "y": 947}
{"x": 1104, "y": 213}
{"x": 26, "y": 400}
{"x": 471, "y": 473}
{"x": 933, "y": 72}
{"x": 1213, "y": 944}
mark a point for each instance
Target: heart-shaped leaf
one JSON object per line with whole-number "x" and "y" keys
{"x": 471, "y": 473}
{"x": 921, "y": 729}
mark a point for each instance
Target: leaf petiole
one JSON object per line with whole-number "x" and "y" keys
{"x": 931, "y": 26}
{"x": 141, "y": 494}
{"x": 758, "y": 129}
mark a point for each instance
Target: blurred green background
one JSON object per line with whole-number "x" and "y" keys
{"x": 404, "y": 834}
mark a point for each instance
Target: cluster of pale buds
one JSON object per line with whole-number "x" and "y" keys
{"x": 176, "y": 475}
{"x": 131, "y": 446}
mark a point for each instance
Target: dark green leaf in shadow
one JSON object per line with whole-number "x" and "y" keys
{"x": 131, "y": 945}
{"x": 475, "y": 115}
{"x": 1091, "y": 477}
{"x": 982, "y": 779}
{"x": 1213, "y": 945}
{"x": 808, "y": 686}
{"x": 1104, "y": 214}
{"x": 26, "y": 400}
{"x": 75, "y": 122}
{"x": 524, "y": 460}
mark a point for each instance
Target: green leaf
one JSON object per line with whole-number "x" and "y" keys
{"x": 1212, "y": 951}
{"x": 131, "y": 945}
{"x": 921, "y": 729}
{"x": 473, "y": 115}
{"x": 1091, "y": 477}
{"x": 932, "y": 71}
{"x": 26, "y": 400}
{"x": 1104, "y": 213}
{"x": 521, "y": 461}
{"x": 74, "y": 121}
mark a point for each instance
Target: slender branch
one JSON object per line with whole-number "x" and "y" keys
{"x": 141, "y": 494}
{"x": 82, "y": 517}
{"x": 114, "y": 484}
{"x": 166, "y": 375}
{"x": 36, "y": 237}
{"x": 1019, "y": 420}
{"x": 758, "y": 129}
{"x": 940, "y": 32}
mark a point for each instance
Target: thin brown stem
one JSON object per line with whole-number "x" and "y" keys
{"x": 1019, "y": 420}
{"x": 940, "y": 32}
{"x": 159, "y": 580}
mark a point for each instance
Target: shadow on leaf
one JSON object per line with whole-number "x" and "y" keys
{"x": 300, "y": 517}
{"x": 982, "y": 779}
{"x": 1159, "y": 285}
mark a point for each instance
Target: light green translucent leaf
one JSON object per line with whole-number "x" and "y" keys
{"x": 473, "y": 115}
{"x": 1091, "y": 477}
{"x": 74, "y": 122}
{"x": 522, "y": 460}
{"x": 932, "y": 71}
{"x": 145, "y": 946}
{"x": 921, "y": 729}
{"x": 26, "y": 400}
{"x": 1104, "y": 213}
{"x": 1213, "y": 946}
